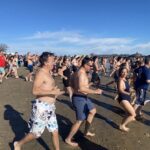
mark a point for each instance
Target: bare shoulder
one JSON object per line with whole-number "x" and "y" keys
{"x": 64, "y": 67}
{"x": 121, "y": 80}
{"x": 40, "y": 74}
{"x": 81, "y": 71}
{"x": 82, "y": 75}
{"x": 121, "y": 83}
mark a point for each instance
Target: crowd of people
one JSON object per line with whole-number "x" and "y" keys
{"x": 130, "y": 76}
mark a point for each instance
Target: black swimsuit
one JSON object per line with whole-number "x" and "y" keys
{"x": 123, "y": 96}
{"x": 67, "y": 73}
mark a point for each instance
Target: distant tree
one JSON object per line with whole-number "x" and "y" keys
{"x": 3, "y": 47}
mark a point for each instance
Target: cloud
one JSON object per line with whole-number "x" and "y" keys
{"x": 75, "y": 37}
{"x": 75, "y": 42}
{"x": 52, "y": 35}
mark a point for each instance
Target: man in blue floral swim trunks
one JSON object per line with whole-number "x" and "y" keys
{"x": 43, "y": 108}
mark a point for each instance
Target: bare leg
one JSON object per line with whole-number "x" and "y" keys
{"x": 0, "y": 78}
{"x": 55, "y": 140}
{"x": 138, "y": 109}
{"x": 70, "y": 92}
{"x": 27, "y": 77}
{"x": 3, "y": 74}
{"x": 8, "y": 73}
{"x": 30, "y": 76}
{"x": 73, "y": 131}
{"x": 16, "y": 73}
{"x": 18, "y": 144}
{"x": 88, "y": 123}
{"x": 130, "y": 110}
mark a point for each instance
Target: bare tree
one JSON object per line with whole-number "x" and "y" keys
{"x": 3, "y": 47}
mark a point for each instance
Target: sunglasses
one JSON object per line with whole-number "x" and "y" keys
{"x": 90, "y": 65}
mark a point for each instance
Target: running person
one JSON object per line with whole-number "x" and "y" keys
{"x": 29, "y": 66}
{"x": 65, "y": 73}
{"x": 124, "y": 99}
{"x": 43, "y": 108}
{"x": 142, "y": 84}
{"x": 84, "y": 108}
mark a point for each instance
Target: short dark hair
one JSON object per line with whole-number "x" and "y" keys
{"x": 44, "y": 57}
{"x": 147, "y": 60}
{"x": 85, "y": 61}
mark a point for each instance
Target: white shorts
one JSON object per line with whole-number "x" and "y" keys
{"x": 43, "y": 115}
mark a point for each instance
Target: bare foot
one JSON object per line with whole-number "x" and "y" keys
{"x": 123, "y": 128}
{"x": 134, "y": 119}
{"x": 90, "y": 134}
{"x": 74, "y": 144}
{"x": 17, "y": 146}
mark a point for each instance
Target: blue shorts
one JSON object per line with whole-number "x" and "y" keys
{"x": 42, "y": 116}
{"x": 142, "y": 96}
{"x": 82, "y": 106}
{"x": 30, "y": 68}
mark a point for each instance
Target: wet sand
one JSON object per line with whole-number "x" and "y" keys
{"x": 15, "y": 108}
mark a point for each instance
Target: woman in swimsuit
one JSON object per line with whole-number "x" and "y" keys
{"x": 124, "y": 99}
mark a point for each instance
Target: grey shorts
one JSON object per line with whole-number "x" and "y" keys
{"x": 42, "y": 116}
{"x": 82, "y": 106}
{"x": 142, "y": 96}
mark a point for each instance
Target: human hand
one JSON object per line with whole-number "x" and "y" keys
{"x": 98, "y": 91}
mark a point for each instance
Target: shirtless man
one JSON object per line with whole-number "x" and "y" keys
{"x": 43, "y": 109}
{"x": 84, "y": 108}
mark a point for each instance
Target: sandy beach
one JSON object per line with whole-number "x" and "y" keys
{"x": 16, "y": 96}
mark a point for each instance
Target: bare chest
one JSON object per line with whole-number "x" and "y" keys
{"x": 48, "y": 83}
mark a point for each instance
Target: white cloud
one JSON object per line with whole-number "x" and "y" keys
{"x": 72, "y": 42}
{"x": 75, "y": 37}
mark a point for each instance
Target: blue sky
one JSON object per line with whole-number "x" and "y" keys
{"x": 76, "y": 26}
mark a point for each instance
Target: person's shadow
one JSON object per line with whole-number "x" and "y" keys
{"x": 19, "y": 126}
{"x": 66, "y": 102}
{"x": 146, "y": 112}
{"x": 109, "y": 107}
{"x": 144, "y": 120}
{"x": 84, "y": 143}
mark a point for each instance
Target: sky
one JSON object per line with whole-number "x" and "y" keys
{"x": 68, "y": 27}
